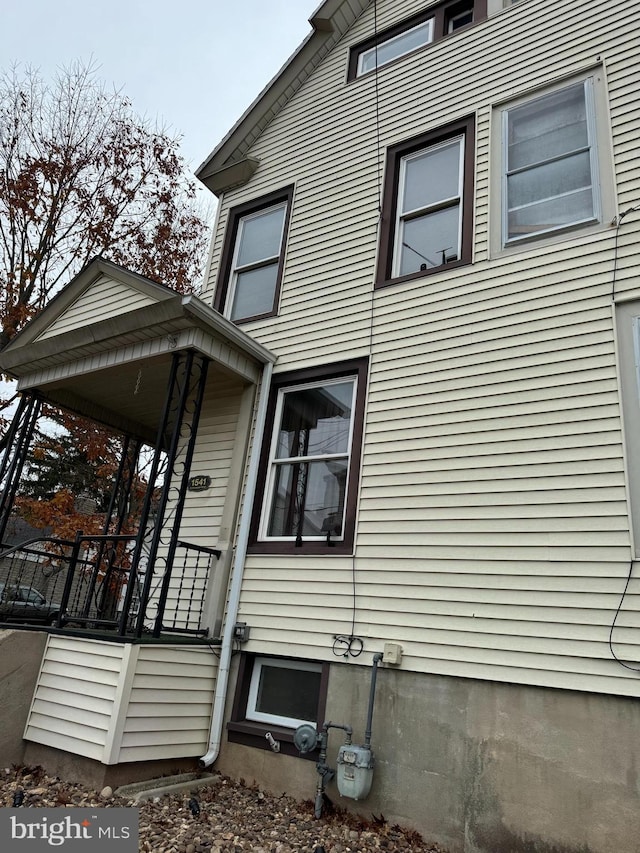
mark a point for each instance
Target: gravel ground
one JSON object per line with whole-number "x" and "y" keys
{"x": 229, "y": 818}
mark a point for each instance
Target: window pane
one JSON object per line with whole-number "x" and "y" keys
{"x": 309, "y": 498}
{"x": 432, "y": 176}
{"x": 551, "y": 180}
{"x": 260, "y": 236}
{"x": 394, "y": 47}
{"x": 287, "y": 692}
{"x": 254, "y": 292}
{"x": 548, "y": 127}
{"x": 432, "y": 240}
{"x": 551, "y": 213}
{"x": 316, "y": 421}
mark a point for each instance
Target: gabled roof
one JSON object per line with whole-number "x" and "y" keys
{"x": 101, "y": 307}
{"x": 104, "y": 348}
{"x": 228, "y": 165}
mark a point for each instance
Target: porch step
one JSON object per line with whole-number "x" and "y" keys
{"x": 152, "y": 788}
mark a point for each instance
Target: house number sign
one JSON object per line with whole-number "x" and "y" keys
{"x": 199, "y": 484}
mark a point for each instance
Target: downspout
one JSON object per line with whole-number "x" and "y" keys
{"x": 237, "y": 571}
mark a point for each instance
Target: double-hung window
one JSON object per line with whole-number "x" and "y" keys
{"x": 310, "y": 465}
{"x": 428, "y": 204}
{"x": 252, "y": 258}
{"x": 550, "y": 164}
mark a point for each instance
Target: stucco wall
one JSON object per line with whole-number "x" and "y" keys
{"x": 480, "y": 767}
{"x": 20, "y": 657}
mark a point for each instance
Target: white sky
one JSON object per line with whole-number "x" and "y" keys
{"x": 192, "y": 66}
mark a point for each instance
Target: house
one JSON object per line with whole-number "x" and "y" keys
{"x": 416, "y": 435}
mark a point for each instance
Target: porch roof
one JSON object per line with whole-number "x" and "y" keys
{"x": 103, "y": 347}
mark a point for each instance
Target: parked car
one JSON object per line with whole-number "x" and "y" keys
{"x": 23, "y": 603}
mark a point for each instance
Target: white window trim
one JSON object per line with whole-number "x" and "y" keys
{"x": 273, "y": 464}
{"x": 275, "y": 719}
{"x": 373, "y": 51}
{"x": 603, "y": 146}
{"x": 423, "y": 211}
{"x": 628, "y": 357}
{"x": 263, "y": 262}
{"x": 592, "y": 148}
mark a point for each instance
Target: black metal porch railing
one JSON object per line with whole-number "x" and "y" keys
{"x": 88, "y": 583}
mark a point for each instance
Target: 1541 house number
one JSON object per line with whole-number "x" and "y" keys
{"x": 199, "y": 484}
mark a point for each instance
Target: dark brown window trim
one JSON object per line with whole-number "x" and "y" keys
{"x": 231, "y": 233}
{"x": 390, "y": 199}
{"x": 252, "y": 733}
{"x": 441, "y": 13}
{"x": 359, "y": 368}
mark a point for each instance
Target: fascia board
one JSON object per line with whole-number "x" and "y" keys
{"x": 212, "y": 320}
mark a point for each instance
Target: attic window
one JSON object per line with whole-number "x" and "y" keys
{"x": 396, "y": 46}
{"x": 414, "y": 34}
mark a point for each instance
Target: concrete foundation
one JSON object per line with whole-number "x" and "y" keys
{"x": 20, "y": 657}
{"x": 96, "y": 775}
{"x": 480, "y": 767}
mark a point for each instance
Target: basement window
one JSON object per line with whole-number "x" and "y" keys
{"x": 284, "y": 692}
{"x": 276, "y": 695}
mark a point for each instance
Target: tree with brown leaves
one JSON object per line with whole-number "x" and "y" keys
{"x": 82, "y": 175}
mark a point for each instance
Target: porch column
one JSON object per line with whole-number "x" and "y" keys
{"x": 176, "y": 438}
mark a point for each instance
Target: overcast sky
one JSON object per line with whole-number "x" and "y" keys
{"x": 193, "y": 66}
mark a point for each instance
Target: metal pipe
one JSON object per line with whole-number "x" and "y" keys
{"x": 226, "y": 649}
{"x": 372, "y": 695}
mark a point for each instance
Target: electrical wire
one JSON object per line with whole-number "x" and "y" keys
{"x": 347, "y": 646}
{"x": 615, "y": 618}
{"x": 615, "y": 247}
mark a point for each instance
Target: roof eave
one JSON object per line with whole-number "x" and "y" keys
{"x": 330, "y": 21}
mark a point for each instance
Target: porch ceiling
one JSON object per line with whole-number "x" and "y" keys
{"x": 127, "y": 397}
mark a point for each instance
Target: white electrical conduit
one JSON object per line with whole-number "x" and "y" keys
{"x": 220, "y": 696}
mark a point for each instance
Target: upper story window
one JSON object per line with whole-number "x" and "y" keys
{"x": 428, "y": 204}
{"x": 252, "y": 258}
{"x": 550, "y": 163}
{"x": 413, "y": 34}
{"x": 392, "y": 48}
{"x": 310, "y": 466}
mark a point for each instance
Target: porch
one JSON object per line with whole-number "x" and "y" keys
{"x": 131, "y": 615}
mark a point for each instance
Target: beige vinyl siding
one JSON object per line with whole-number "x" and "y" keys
{"x": 105, "y": 298}
{"x": 493, "y": 533}
{"x": 76, "y": 695}
{"x": 116, "y": 702}
{"x": 169, "y": 706}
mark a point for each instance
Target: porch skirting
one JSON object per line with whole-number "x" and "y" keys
{"x": 122, "y": 702}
